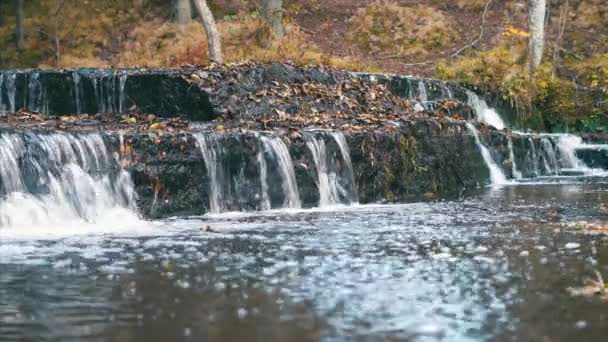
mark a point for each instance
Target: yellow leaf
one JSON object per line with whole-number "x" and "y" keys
{"x": 156, "y": 126}
{"x": 132, "y": 120}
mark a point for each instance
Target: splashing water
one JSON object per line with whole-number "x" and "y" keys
{"x": 332, "y": 190}
{"x": 211, "y": 150}
{"x": 276, "y": 147}
{"x": 567, "y": 145}
{"x": 497, "y": 177}
{"x": 516, "y": 173}
{"x": 224, "y": 196}
{"x": 484, "y": 113}
{"x": 57, "y": 182}
{"x": 77, "y": 91}
{"x": 549, "y": 157}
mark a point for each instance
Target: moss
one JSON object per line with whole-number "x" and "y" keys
{"x": 389, "y": 179}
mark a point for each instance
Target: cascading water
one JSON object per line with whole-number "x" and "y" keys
{"x": 224, "y": 195}
{"x": 335, "y": 186}
{"x": 62, "y": 180}
{"x": 497, "y": 177}
{"x": 275, "y": 147}
{"x": 567, "y": 145}
{"x": 8, "y": 87}
{"x": 422, "y": 97}
{"x": 549, "y": 157}
{"x": 37, "y": 98}
{"x": 484, "y": 113}
{"x": 534, "y": 157}
{"x": 77, "y": 91}
{"x": 514, "y": 170}
{"x": 211, "y": 150}
{"x": 109, "y": 91}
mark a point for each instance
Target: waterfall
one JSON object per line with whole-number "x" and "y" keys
{"x": 122, "y": 81}
{"x": 265, "y": 205}
{"x": 37, "y": 99}
{"x": 60, "y": 180}
{"x": 422, "y": 93}
{"x": 277, "y": 148}
{"x": 334, "y": 188}
{"x": 516, "y": 173}
{"x": 2, "y": 109}
{"x": 77, "y": 91}
{"x": 534, "y": 157}
{"x": 345, "y": 151}
{"x": 549, "y": 157}
{"x": 567, "y": 145}
{"x": 211, "y": 150}
{"x": 496, "y": 175}
{"x": 109, "y": 88}
{"x": 8, "y": 82}
{"x": 484, "y": 113}
{"x": 226, "y": 188}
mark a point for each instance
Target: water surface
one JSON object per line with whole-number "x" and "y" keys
{"x": 493, "y": 267}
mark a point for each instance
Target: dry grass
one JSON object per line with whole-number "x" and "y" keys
{"x": 161, "y": 43}
{"x": 389, "y": 28}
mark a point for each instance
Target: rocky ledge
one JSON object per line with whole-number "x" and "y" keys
{"x": 271, "y": 136}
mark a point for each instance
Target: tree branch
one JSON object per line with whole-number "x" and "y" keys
{"x": 483, "y": 23}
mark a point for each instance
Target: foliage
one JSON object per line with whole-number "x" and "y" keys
{"x": 386, "y": 27}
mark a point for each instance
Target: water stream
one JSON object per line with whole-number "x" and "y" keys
{"x": 78, "y": 263}
{"x": 335, "y": 178}
{"x": 485, "y": 113}
{"x": 59, "y": 181}
{"x": 497, "y": 176}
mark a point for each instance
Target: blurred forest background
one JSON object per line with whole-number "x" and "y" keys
{"x": 480, "y": 43}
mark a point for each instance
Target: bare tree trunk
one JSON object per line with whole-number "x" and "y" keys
{"x": 19, "y": 27}
{"x": 213, "y": 36}
{"x": 183, "y": 12}
{"x": 562, "y": 26}
{"x": 536, "y": 23}
{"x": 273, "y": 13}
{"x": 57, "y": 22}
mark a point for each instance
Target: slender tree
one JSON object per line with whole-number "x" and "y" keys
{"x": 272, "y": 10}
{"x": 183, "y": 12}
{"x": 19, "y": 28}
{"x": 213, "y": 36}
{"x": 536, "y": 23}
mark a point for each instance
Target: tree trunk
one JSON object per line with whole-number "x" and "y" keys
{"x": 213, "y": 36}
{"x": 563, "y": 18}
{"x": 57, "y": 22}
{"x": 272, "y": 11}
{"x": 536, "y": 23}
{"x": 19, "y": 27}
{"x": 183, "y": 12}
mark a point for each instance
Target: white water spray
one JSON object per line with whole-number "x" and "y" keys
{"x": 331, "y": 189}
{"x": 276, "y": 147}
{"x": 516, "y": 173}
{"x": 484, "y": 113}
{"x": 497, "y": 177}
{"x": 61, "y": 181}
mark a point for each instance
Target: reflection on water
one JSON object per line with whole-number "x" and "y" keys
{"x": 492, "y": 267}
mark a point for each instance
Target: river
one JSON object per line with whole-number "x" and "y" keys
{"x": 496, "y": 266}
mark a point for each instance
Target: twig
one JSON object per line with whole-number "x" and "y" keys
{"x": 419, "y": 63}
{"x": 562, "y": 26}
{"x": 483, "y": 23}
